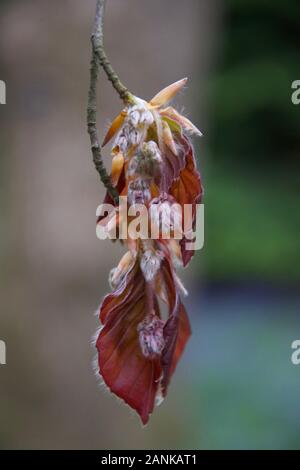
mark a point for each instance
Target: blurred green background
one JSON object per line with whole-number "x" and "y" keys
{"x": 254, "y": 140}
{"x": 236, "y": 387}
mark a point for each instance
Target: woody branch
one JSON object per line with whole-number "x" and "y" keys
{"x": 99, "y": 58}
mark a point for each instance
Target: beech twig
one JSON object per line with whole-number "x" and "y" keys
{"x": 99, "y": 58}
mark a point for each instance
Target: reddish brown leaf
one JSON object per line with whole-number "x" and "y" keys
{"x": 131, "y": 376}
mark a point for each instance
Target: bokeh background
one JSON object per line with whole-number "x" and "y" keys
{"x": 236, "y": 387}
